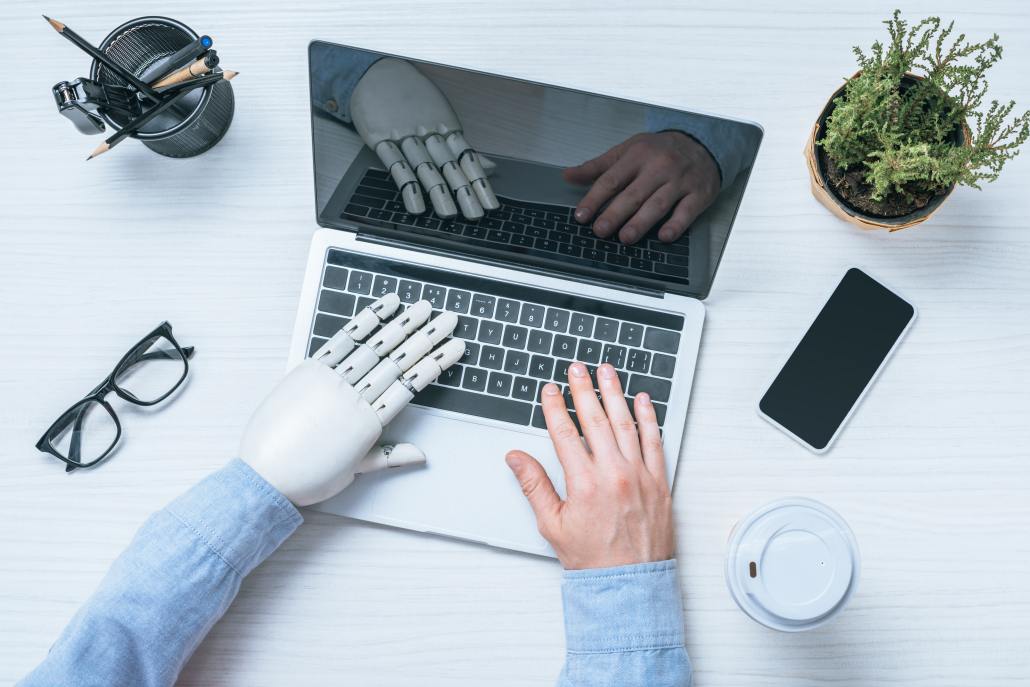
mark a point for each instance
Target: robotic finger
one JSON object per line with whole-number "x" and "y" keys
{"x": 361, "y": 325}
{"x": 421, "y": 375}
{"x": 473, "y": 169}
{"x": 418, "y": 157}
{"x": 459, "y": 183}
{"x": 404, "y": 357}
{"x": 366, "y": 356}
{"x": 405, "y": 179}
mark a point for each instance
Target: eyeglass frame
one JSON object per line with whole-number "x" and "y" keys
{"x": 108, "y": 385}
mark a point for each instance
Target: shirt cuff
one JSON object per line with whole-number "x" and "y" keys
{"x": 241, "y": 517}
{"x": 627, "y": 608}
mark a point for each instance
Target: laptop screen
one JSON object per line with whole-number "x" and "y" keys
{"x": 500, "y": 169}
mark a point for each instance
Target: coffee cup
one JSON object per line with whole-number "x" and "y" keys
{"x": 792, "y": 565}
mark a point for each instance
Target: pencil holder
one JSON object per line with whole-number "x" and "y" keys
{"x": 192, "y": 125}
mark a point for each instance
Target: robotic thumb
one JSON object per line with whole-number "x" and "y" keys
{"x": 390, "y": 457}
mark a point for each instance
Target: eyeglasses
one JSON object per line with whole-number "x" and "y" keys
{"x": 88, "y": 431}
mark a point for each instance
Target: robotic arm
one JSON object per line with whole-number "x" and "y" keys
{"x": 407, "y": 121}
{"x": 318, "y": 428}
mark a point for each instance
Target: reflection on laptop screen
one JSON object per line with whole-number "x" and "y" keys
{"x": 515, "y": 196}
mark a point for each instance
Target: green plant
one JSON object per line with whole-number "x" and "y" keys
{"x": 902, "y": 133}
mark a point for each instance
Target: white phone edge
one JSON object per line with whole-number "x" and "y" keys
{"x": 869, "y": 384}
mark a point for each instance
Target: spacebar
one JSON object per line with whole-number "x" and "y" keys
{"x": 480, "y": 405}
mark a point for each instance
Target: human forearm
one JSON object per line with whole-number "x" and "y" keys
{"x": 176, "y": 579}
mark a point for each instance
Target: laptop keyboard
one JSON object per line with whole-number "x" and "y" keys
{"x": 517, "y": 337}
{"x": 531, "y": 228}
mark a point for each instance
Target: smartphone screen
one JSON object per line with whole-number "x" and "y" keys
{"x": 836, "y": 360}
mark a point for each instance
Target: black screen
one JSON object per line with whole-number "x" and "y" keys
{"x": 836, "y": 359}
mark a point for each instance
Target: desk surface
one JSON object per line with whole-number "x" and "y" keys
{"x": 932, "y": 473}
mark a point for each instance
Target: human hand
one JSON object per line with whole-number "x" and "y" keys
{"x": 618, "y": 508}
{"x": 407, "y": 121}
{"x": 318, "y": 427}
{"x": 643, "y": 180}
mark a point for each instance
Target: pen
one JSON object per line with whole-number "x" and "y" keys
{"x": 141, "y": 121}
{"x": 86, "y": 47}
{"x": 202, "y": 66}
{"x": 190, "y": 51}
{"x": 205, "y": 80}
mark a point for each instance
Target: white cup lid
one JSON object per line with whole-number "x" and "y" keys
{"x": 792, "y": 564}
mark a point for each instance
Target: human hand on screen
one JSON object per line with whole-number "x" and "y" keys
{"x": 618, "y": 508}
{"x": 319, "y": 427}
{"x": 644, "y": 179}
{"x": 408, "y": 122}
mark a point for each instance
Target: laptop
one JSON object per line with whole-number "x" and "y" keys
{"x": 533, "y": 289}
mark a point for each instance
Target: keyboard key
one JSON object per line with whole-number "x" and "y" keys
{"x": 515, "y": 336}
{"x": 459, "y": 401}
{"x": 458, "y": 301}
{"x": 631, "y": 334}
{"x": 539, "y": 422}
{"x": 516, "y": 362}
{"x": 616, "y": 259}
{"x": 539, "y": 342}
{"x": 546, "y": 244}
{"x": 492, "y": 357}
{"x": 327, "y": 325}
{"x": 524, "y": 389}
{"x": 490, "y": 332}
{"x": 335, "y": 278}
{"x": 557, "y": 320}
{"x": 482, "y": 306}
{"x": 353, "y": 210}
{"x": 564, "y": 346}
{"x": 662, "y": 365}
{"x": 541, "y": 367}
{"x": 614, "y": 355}
{"x": 536, "y": 232}
{"x": 474, "y": 379}
{"x": 589, "y": 351}
{"x": 466, "y": 328}
{"x": 638, "y": 360}
{"x": 383, "y": 285}
{"x": 364, "y": 302}
{"x": 368, "y": 200}
{"x": 471, "y": 356}
{"x": 569, "y": 249}
{"x": 499, "y": 384}
{"x": 498, "y": 236}
{"x": 605, "y": 329}
{"x": 561, "y": 372}
{"x": 384, "y": 215}
{"x": 409, "y": 291}
{"x": 588, "y": 254}
{"x": 337, "y": 303}
{"x": 658, "y": 388}
{"x": 451, "y": 376}
{"x": 435, "y": 295}
{"x": 427, "y": 222}
{"x": 360, "y": 282}
{"x": 507, "y": 311}
{"x": 581, "y": 325}
{"x": 532, "y": 315}
{"x": 661, "y": 340}
{"x": 519, "y": 240}
{"x": 316, "y": 343}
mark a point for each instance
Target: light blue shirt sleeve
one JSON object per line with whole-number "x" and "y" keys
{"x": 176, "y": 579}
{"x": 335, "y": 72}
{"x": 624, "y": 626}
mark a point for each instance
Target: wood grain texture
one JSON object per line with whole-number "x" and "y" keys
{"x": 933, "y": 472}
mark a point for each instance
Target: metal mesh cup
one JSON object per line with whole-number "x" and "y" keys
{"x": 198, "y": 120}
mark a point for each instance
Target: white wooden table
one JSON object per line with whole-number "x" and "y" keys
{"x": 933, "y": 473}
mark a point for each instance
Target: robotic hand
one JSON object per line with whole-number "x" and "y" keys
{"x": 318, "y": 428}
{"x": 407, "y": 121}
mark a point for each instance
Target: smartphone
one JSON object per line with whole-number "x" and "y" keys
{"x": 836, "y": 361}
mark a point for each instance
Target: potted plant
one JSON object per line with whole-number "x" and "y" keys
{"x": 896, "y": 138}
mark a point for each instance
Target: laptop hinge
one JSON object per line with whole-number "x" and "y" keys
{"x": 431, "y": 246}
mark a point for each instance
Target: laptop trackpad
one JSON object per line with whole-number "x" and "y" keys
{"x": 465, "y": 490}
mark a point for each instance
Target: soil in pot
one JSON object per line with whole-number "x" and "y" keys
{"x": 851, "y": 188}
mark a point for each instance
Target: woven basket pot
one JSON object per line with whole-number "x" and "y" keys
{"x": 823, "y": 190}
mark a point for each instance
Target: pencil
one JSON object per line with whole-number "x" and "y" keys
{"x": 99, "y": 56}
{"x": 141, "y": 121}
{"x": 202, "y": 66}
{"x": 190, "y": 51}
{"x": 205, "y": 80}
